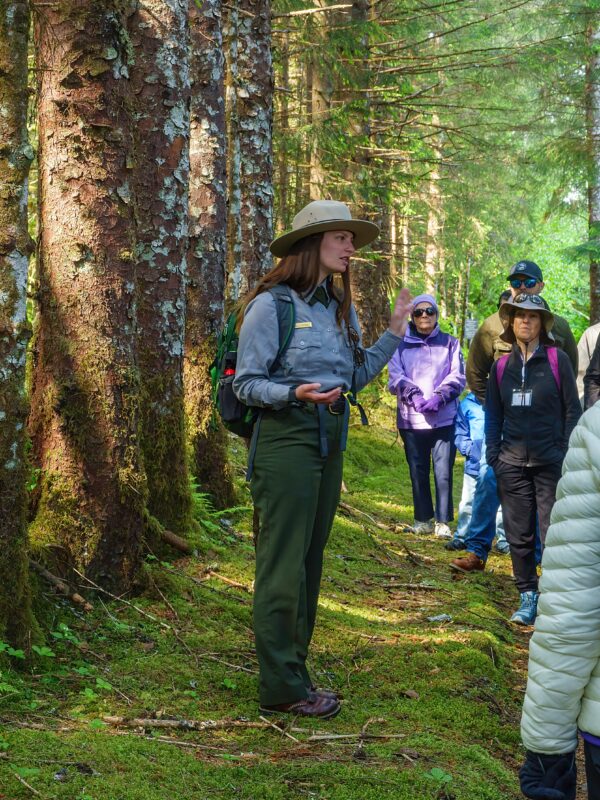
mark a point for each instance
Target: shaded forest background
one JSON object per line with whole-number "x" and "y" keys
{"x": 150, "y": 149}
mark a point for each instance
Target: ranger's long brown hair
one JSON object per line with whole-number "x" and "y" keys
{"x": 299, "y": 269}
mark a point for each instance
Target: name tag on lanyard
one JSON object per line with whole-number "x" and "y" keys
{"x": 522, "y": 397}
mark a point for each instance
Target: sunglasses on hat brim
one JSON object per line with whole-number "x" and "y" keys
{"x": 529, "y": 298}
{"x": 419, "y": 312}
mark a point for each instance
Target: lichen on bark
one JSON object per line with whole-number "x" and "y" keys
{"x": 15, "y": 247}
{"x": 91, "y": 500}
{"x": 160, "y": 174}
{"x": 206, "y": 256}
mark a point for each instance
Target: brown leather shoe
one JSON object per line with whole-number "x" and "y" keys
{"x": 470, "y": 563}
{"x": 323, "y": 693}
{"x": 315, "y": 706}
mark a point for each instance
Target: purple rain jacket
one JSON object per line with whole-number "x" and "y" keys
{"x": 424, "y": 367}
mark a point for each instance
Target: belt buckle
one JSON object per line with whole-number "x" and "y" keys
{"x": 340, "y": 408}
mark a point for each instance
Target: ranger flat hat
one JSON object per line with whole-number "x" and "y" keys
{"x": 528, "y": 302}
{"x": 320, "y": 216}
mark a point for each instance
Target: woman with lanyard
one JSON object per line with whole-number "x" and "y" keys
{"x": 532, "y": 406}
{"x": 298, "y": 445}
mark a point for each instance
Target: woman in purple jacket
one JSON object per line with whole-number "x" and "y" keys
{"x": 427, "y": 374}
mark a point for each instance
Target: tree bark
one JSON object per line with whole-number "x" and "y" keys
{"x": 160, "y": 174}
{"x": 434, "y": 220}
{"x": 15, "y": 247}
{"x": 206, "y": 255}
{"x": 255, "y": 132}
{"x": 85, "y": 401}
{"x": 236, "y": 286}
{"x": 592, "y": 96}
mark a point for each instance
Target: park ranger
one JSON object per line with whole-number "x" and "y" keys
{"x": 300, "y": 435}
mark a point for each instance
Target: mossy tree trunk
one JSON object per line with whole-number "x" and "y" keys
{"x": 15, "y": 247}
{"x": 85, "y": 401}
{"x": 160, "y": 174}
{"x": 206, "y": 255}
{"x": 252, "y": 79}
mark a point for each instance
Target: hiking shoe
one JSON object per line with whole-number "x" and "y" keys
{"x": 423, "y": 527}
{"x": 442, "y": 531}
{"x": 455, "y": 544}
{"x": 314, "y": 706}
{"x": 527, "y": 611}
{"x": 503, "y": 548}
{"x": 470, "y": 563}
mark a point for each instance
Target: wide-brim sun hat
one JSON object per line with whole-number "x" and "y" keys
{"x": 320, "y": 216}
{"x": 526, "y": 302}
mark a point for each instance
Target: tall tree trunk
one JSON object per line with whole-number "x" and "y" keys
{"x": 160, "y": 174}
{"x": 15, "y": 247}
{"x": 369, "y": 277}
{"x": 85, "y": 402}
{"x": 255, "y": 131}
{"x": 405, "y": 248}
{"x": 592, "y": 95}
{"x": 434, "y": 220}
{"x": 319, "y": 90}
{"x": 282, "y": 101}
{"x": 206, "y": 256}
{"x": 236, "y": 285}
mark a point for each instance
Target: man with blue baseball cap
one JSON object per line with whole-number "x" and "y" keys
{"x": 487, "y": 346}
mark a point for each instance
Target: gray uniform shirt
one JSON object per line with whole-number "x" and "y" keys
{"x": 318, "y": 352}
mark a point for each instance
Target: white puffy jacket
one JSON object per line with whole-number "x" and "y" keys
{"x": 563, "y": 686}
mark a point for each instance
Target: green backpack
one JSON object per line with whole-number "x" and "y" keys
{"x": 236, "y": 416}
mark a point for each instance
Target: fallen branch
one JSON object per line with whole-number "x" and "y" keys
{"x": 184, "y": 724}
{"x": 324, "y": 737}
{"x": 177, "y": 542}
{"x": 60, "y": 586}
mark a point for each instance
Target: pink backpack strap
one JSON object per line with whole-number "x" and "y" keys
{"x": 553, "y": 359}
{"x": 552, "y": 354}
{"x": 500, "y": 367}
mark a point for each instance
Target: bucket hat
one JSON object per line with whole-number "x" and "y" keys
{"x": 320, "y": 216}
{"x": 527, "y": 302}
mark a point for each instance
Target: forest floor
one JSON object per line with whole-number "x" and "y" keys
{"x": 432, "y": 673}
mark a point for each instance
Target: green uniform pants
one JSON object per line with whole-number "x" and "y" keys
{"x": 296, "y": 492}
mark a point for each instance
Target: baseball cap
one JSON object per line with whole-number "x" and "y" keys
{"x": 527, "y": 268}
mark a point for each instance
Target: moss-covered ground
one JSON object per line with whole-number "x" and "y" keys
{"x": 437, "y": 701}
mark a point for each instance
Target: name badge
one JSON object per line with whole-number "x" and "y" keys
{"x": 522, "y": 398}
{"x": 303, "y": 325}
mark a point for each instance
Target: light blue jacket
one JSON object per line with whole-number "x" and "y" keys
{"x": 469, "y": 433}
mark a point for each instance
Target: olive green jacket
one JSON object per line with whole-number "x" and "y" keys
{"x": 487, "y": 347}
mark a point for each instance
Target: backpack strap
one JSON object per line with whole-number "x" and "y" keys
{"x": 552, "y": 354}
{"x": 500, "y": 367}
{"x": 286, "y": 319}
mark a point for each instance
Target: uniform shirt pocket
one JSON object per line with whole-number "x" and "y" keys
{"x": 302, "y": 355}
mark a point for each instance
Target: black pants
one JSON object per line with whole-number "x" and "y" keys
{"x": 592, "y": 770}
{"x": 421, "y": 447}
{"x": 524, "y": 493}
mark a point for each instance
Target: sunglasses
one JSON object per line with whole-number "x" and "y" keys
{"x": 419, "y": 312}
{"x": 528, "y": 283}
{"x": 529, "y": 298}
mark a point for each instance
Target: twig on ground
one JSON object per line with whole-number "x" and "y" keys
{"x": 125, "y": 602}
{"x": 238, "y": 667}
{"x": 280, "y": 730}
{"x": 60, "y": 586}
{"x": 27, "y": 785}
{"x": 164, "y": 599}
{"x": 414, "y": 587}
